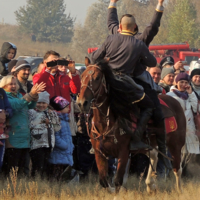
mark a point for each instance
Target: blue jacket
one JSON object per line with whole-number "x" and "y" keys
{"x": 63, "y": 150}
{"x": 4, "y": 103}
{"x": 19, "y": 135}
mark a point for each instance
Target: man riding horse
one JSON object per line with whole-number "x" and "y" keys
{"x": 128, "y": 59}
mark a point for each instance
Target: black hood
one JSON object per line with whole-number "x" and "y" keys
{"x": 5, "y": 48}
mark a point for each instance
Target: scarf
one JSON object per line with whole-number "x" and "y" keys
{"x": 182, "y": 95}
{"x": 196, "y": 88}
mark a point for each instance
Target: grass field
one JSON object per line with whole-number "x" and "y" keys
{"x": 26, "y": 189}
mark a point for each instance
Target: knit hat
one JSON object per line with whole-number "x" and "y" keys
{"x": 44, "y": 97}
{"x": 21, "y": 64}
{"x": 166, "y": 71}
{"x": 195, "y": 72}
{"x": 11, "y": 64}
{"x": 182, "y": 76}
{"x": 58, "y": 103}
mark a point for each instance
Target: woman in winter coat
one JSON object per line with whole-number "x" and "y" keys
{"x": 195, "y": 81}
{"x": 5, "y": 112}
{"x": 18, "y": 143}
{"x": 43, "y": 124}
{"x": 183, "y": 93}
{"x": 62, "y": 155}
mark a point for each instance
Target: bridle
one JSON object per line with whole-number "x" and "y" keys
{"x": 96, "y": 94}
{"x": 94, "y": 105}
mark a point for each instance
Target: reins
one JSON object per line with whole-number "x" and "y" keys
{"x": 94, "y": 105}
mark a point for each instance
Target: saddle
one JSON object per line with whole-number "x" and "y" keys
{"x": 169, "y": 119}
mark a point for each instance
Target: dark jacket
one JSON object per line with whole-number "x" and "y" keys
{"x": 3, "y": 58}
{"x": 124, "y": 52}
{"x": 21, "y": 90}
{"x": 147, "y": 36}
{"x": 4, "y": 103}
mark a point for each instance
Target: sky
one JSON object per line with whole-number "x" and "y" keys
{"x": 77, "y": 8}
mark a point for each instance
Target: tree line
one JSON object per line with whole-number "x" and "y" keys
{"x": 46, "y": 19}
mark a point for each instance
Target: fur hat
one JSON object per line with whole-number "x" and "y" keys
{"x": 58, "y": 103}
{"x": 166, "y": 71}
{"x": 21, "y": 64}
{"x": 195, "y": 72}
{"x": 44, "y": 97}
{"x": 182, "y": 76}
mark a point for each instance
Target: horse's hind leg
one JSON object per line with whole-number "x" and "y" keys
{"x": 121, "y": 167}
{"x": 150, "y": 180}
{"x": 102, "y": 165}
{"x": 177, "y": 167}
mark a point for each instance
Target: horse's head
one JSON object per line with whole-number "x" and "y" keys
{"x": 93, "y": 87}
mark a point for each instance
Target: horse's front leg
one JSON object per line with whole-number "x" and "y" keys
{"x": 102, "y": 165}
{"x": 150, "y": 180}
{"x": 121, "y": 167}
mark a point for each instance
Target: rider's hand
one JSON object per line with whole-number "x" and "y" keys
{"x": 178, "y": 65}
{"x": 114, "y": 1}
{"x": 189, "y": 89}
{"x": 160, "y": 2}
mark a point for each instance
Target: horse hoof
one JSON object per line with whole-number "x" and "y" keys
{"x": 111, "y": 189}
{"x": 151, "y": 189}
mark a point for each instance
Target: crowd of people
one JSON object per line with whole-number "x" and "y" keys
{"x": 42, "y": 129}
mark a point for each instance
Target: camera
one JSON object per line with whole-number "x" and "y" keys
{"x": 57, "y": 62}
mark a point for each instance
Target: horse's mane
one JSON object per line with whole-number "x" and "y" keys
{"x": 118, "y": 94}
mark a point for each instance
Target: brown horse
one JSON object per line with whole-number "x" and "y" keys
{"x": 109, "y": 140}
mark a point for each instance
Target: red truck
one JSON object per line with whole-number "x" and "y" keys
{"x": 180, "y": 52}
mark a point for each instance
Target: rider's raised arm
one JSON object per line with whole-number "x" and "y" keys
{"x": 146, "y": 57}
{"x": 112, "y": 18}
{"x": 100, "y": 53}
{"x": 152, "y": 29}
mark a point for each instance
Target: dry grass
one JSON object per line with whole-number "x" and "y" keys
{"x": 24, "y": 189}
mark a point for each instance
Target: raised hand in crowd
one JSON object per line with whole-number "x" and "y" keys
{"x": 71, "y": 67}
{"x": 178, "y": 65}
{"x": 37, "y": 88}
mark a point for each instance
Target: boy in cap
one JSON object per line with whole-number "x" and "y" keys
{"x": 62, "y": 155}
{"x": 8, "y": 52}
{"x": 167, "y": 78}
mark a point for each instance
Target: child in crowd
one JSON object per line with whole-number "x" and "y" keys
{"x": 61, "y": 156}
{"x": 43, "y": 124}
{"x": 8, "y": 52}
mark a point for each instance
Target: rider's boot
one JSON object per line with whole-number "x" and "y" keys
{"x": 136, "y": 137}
{"x": 161, "y": 142}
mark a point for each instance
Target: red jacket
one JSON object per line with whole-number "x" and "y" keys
{"x": 58, "y": 85}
